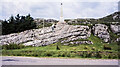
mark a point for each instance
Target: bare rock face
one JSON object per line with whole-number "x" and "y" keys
{"x": 45, "y": 36}
{"x": 100, "y": 30}
{"x": 115, "y": 28}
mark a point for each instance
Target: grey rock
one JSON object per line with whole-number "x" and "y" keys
{"x": 115, "y": 28}
{"x": 100, "y": 30}
{"x": 118, "y": 39}
{"x": 66, "y": 44}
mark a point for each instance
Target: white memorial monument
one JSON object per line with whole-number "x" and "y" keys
{"x": 61, "y": 17}
{"x": 61, "y": 21}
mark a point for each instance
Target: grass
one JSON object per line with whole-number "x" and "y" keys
{"x": 113, "y": 36}
{"x": 69, "y": 54}
{"x": 95, "y": 50}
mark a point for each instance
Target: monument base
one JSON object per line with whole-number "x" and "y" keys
{"x": 61, "y": 23}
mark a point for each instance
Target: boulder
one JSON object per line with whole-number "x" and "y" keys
{"x": 118, "y": 39}
{"x": 115, "y": 28}
{"x": 101, "y": 31}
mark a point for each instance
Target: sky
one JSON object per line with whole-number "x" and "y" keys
{"x": 50, "y": 9}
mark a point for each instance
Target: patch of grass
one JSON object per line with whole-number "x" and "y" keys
{"x": 70, "y": 54}
{"x": 113, "y": 36}
{"x": 13, "y": 46}
{"x": 99, "y": 44}
{"x": 95, "y": 40}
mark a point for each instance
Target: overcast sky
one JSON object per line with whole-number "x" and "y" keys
{"x": 51, "y": 8}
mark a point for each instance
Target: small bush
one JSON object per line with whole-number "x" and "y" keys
{"x": 93, "y": 48}
{"x": 57, "y": 48}
{"x": 36, "y": 55}
{"x": 55, "y": 55}
{"x": 62, "y": 54}
{"x": 49, "y": 53}
{"x": 106, "y": 47}
{"x": 72, "y": 55}
{"x": 98, "y": 55}
{"x": 68, "y": 54}
{"x": 86, "y": 47}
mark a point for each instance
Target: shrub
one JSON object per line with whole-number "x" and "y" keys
{"x": 106, "y": 47}
{"x": 98, "y": 55}
{"x": 19, "y": 54}
{"x": 72, "y": 55}
{"x": 67, "y": 54}
{"x": 58, "y": 48}
{"x": 86, "y": 47}
{"x": 93, "y": 48}
{"x": 89, "y": 54}
{"x": 62, "y": 54}
{"x": 119, "y": 55}
{"x": 84, "y": 54}
{"x": 49, "y": 53}
{"x": 36, "y": 55}
{"x": 105, "y": 56}
{"x": 55, "y": 55}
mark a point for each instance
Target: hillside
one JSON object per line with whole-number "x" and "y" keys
{"x": 115, "y": 17}
{"x": 86, "y": 38}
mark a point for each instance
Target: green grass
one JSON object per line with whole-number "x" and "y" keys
{"x": 113, "y": 36}
{"x": 95, "y": 50}
{"x": 68, "y": 54}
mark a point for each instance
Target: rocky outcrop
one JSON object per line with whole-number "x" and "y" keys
{"x": 100, "y": 30}
{"x": 116, "y": 16}
{"x": 45, "y": 36}
{"x": 115, "y": 28}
